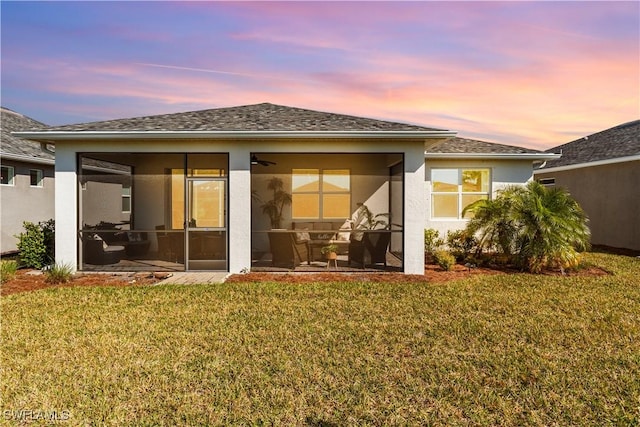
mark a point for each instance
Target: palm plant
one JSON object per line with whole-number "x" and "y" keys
{"x": 364, "y": 219}
{"x": 553, "y": 228}
{"x": 273, "y": 208}
{"x": 537, "y": 226}
{"x": 493, "y": 222}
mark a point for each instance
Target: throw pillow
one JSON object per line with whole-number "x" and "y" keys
{"x": 345, "y": 235}
{"x": 104, "y": 244}
{"x": 303, "y": 235}
{"x": 134, "y": 237}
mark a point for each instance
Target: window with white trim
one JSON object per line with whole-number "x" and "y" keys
{"x": 8, "y": 174}
{"x": 452, "y": 190}
{"x": 321, "y": 193}
{"x": 36, "y": 177}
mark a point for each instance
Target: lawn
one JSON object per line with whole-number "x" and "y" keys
{"x": 510, "y": 349}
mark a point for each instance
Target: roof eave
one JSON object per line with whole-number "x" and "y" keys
{"x": 493, "y": 156}
{"x": 142, "y": 135}
{"x": 605, "y": 162}
{"x": 27, "y": 159}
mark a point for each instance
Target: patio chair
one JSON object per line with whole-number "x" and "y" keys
{"x": 170, "y": 245}
{"x": 287, "y": 250}
{"x": 98, "y": 252}
{"x": 371, "y": 250}
{"x": 137, "y": 243}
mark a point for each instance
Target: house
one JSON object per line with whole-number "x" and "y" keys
{"x": 195, "y": 188}
{"x": 460, "y": 171}
{"x": 27, "y": 185}
{"x": 602, "y": 172}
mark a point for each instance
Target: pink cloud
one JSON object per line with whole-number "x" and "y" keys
{"x": 533, "y": 109}
{"x": 525, "y": 80}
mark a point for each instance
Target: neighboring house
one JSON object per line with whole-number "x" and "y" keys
{"x": 27, "y": 185}
{"x": 602, "y": 172}
{"x": 196, "y": 185}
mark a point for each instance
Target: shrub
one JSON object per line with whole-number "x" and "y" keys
{"x": 36, "y": 244}
{"x": 461, "y": 244}
{"x": 8, "y": 270}
{"x": 493, "y": 222}
{"x": 31, "y": 245}
{"x": 536, "y": 227}
{"x": 49, "y": 231}
{"x": 553, "y": 228}
{"x": 444, "y": 259}
{"x": 59, "y": 273}
{"x": 432, "y": 240}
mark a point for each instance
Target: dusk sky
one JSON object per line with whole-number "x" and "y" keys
{"x": 533, "y": 74}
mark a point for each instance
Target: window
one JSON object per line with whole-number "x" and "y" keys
{"x": 126, "y": 197}
{"x": 321, "y": 194}
{"x": 35, "y": 175}
{"x": 177, "y": 199}
{"x": 205, "y": 172}
{"x": 547, "y": 182}
{"x": 177, "y": 191}
{"x": 454, "y": 189}
{"x": 7, "y": 175}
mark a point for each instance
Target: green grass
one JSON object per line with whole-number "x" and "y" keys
{"x": 8, "y": 269}
{"x": 492, "y": 350}
{"x": 59, "y": 273}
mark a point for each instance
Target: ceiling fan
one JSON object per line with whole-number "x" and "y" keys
{"x": 256, "y": 161}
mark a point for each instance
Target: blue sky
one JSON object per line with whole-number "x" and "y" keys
{"x": 534, "y": 74}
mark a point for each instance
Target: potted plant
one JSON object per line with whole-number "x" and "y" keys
{"x": 330, "y": 251}
{"x": 280, "y": 199}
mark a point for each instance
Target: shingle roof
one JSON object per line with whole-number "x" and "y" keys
{"x": 258, "y": 117}
{"x": 619, "y": 141}
{"x": 458, "y": 145}
{"x": 10, "y": 121}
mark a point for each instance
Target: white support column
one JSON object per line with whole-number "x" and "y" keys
{"x": 66, "y": 207}
{"x": 239, "y": 210}
{"x": 414, "y": 210}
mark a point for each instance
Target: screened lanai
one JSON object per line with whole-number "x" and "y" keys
{"x": 306, "y": 206}
{"x": 153, "y": 212}
{"x": 169, "y": 212}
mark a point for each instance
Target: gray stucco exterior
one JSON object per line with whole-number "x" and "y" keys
{"x": 610, "y": 195}
{"x": 20, "y": 201}
{"x": 602, "y": 172}
{"x": 23, "y": 202}
{"x": 241, "y": 132}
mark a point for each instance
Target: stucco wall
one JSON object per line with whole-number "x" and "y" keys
{"x": 397, "y": 209}
{"x": 503, "y": 173}
{"x": 66, "y": 206}
{"x": 610, "y": 195}
{"x": 22, "y": 202}
{"x": 102, "y": 201}
{"x": 150, "y": 190}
